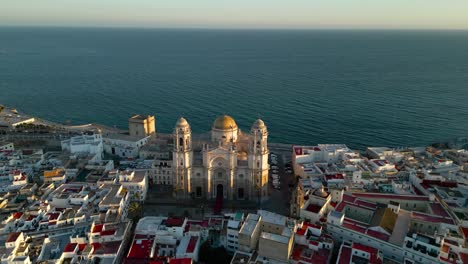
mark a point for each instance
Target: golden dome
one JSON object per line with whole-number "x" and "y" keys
{"x": 182, "y": 122}
{"x": 258, "y": 124}
{"x": 224, "y": 122}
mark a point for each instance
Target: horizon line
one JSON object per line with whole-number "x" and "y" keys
{"x": 231, "y": 28}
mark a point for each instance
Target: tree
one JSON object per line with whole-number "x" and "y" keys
{"x": 135, "y": 211}
{"x": 211, "y": 255}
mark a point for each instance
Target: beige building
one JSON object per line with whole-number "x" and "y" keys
{"x": 275, "y": 247}
{"x": 272, "y": 235}
{"x": 224, "y": 163}
{"x": 249, "y": 233}
{"x": 141, "y": 126}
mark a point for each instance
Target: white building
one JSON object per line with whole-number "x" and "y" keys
{"x": 124, "y": 146}
{"x": 232, "y": 232}
{"x": 135, "y": 182}
{"x": 6, "y": 146}
{"x": 189, "y": 247}
{"x": 84, "y": 144}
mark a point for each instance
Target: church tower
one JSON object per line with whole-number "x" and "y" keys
{"x": 258, "y": 160}
{"x": 182, "y": 156}
{"x": 297, "y": 200}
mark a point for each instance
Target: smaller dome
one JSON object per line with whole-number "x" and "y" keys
{"x": 258, "y": 124}
{"x": 224, "y": 122}
{"x": 182, "y": 122}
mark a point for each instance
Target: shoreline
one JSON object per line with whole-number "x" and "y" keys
{"x": 8, "y": 115}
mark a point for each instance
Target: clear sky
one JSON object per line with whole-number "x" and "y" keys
{"x": 399, "y": 14}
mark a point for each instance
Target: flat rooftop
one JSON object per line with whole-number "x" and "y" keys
{"x": 272, "y": 218}
{"x": 275, "y": 237}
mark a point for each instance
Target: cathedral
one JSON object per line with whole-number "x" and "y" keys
{"x": 225, "y": 163}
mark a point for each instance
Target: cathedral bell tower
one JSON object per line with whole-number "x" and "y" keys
{"x": 182, "y": 155}
{"x": 258, "y": 160}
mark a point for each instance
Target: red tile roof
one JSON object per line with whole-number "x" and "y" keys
{"x": 439, "y": 210}
{"x": 192, "y": 243}
{"x": 464, "y": 257}
{"x": 81, "y": 247}
{"x": 13, "y": 237}
{"x": 96, "y": 246}
{"x": 337, "y": 176}
{"x": 314, "y": 208}
{"x": 17, "y": 215}
{"x": 180, "y": 261}
{"x": 364, "y": 248}
{"x": 170, "y": 222}
{"x": 53, "y": 216}
{"x": 97, "y": 228}
{"x": 464, "y": 231}
{"x": 108, "y": 232}
{"x": 70, "y": 247}
{"x": 106, "y": 247}
{"x": 431, "y": 218}
{"x": 141, "y": 248}
{"x": 356, "y": 228}
{"x": 378, "y": 235}
{"x": 345, "y": 255}
{"x": 305, "y": 255}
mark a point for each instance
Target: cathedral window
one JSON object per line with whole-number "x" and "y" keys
{"x": 198, "y": 174}
{"x": 181, "y": 141}
{"x": 220, "y": 174}
{"x": 241, "y": 175}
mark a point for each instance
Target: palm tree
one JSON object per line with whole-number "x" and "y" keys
{"x": 135, "y": 210}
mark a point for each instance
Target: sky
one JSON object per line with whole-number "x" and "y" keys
{"x": 295, "y": 14}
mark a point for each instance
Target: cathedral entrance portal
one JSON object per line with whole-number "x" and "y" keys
{"x": 219, "y": 191}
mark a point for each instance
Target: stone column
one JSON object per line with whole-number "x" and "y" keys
{"x": 208, "y": 183}
{"x": 232, "y": 187}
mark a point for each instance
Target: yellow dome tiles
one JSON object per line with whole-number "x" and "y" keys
{"x": 224, "y": 122}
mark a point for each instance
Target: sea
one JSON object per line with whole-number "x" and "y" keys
{"x": 360, "y": 88}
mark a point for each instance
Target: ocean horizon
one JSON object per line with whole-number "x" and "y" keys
{"x": 356, "y": 87}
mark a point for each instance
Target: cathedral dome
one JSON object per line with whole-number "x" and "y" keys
{"x": 224, "y": 122}
{"x": 182, "y": 122}
{"x": 258, "y": 124}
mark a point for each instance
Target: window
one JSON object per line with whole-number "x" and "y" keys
{"x": 198, "y": 174}
{"x": 241, "y": 176}
{"x": 220, "y": 174}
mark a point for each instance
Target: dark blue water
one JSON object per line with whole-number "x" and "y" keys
{"x": 395, "y": 88}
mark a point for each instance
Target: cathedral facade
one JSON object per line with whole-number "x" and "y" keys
{"x": 224, "y": 163}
